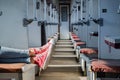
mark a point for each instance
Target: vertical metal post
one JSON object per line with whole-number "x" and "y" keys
{"x": 81, "y": 9}
{"x": 34, "y": 9}
{"x": 77, "y": 12}
{"x": 27, "y": 30}
{"x": 45, "y": 6}
{"x": 74, "y": 15}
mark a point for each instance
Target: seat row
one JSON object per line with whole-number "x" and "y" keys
{"x": 93, "y": 66}
{"x": 19, "y": 64}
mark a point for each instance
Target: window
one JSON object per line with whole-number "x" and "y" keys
{"x": 64, "y": 13}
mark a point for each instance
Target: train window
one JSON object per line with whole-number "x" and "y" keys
{"x": 104, "y": 10}
{"x": 84, "y": 6}
{"x": 37, "y": 5}
{"x": 78, "y": 8}
{"x": 64, "y": 13}
{"x": 48, "y": 13}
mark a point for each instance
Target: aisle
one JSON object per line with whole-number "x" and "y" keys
{"x": 63, "y": 64}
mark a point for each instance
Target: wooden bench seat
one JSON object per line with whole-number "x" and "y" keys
{"x": 86, "y": 56}
{"x": 17, "y": 71}
{"x": 104, "y": 65}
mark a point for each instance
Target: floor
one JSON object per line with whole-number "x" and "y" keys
{"x": 63, "y": 64}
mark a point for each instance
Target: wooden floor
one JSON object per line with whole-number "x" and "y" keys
{"x": 63, "y": 64}
{"x": 61, "y": 76}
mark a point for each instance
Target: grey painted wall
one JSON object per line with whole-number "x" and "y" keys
{"x": 111, "y": 27}
{"x": 12, "y": 32}
{"x": 33, "y": 30}
{"x": 92, "y": 11}
{"x": 34, "y": 35}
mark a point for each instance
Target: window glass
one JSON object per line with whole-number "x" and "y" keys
{"x": 64, "y": 13}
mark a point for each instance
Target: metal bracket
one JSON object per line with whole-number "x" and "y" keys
{"x": 80, "y": 23}
{"x": 50, "y": 23}
{"x": 94, "y": 33}
{"x": 27, "y": 21}
{"x": 87, "y": 22}
{"x": 40, "y": 23}
{"x": 98, "y": 21}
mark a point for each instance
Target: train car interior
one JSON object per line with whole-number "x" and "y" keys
{"x": 59, "y": 39}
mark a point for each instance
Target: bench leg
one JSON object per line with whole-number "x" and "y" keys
{"x": 29, "y": 75}
{"x": 77, "y": 53}
{"x": 88, "y": 71}
{"x": 93, "y": 76}
{"x": 83, "y": 64}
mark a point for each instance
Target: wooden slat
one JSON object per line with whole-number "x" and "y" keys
{"x": 64, "y": 50}
{"x": 64, "y": 56}
{"x": 63, "y": 65}
{"x": 64, "y": 45}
